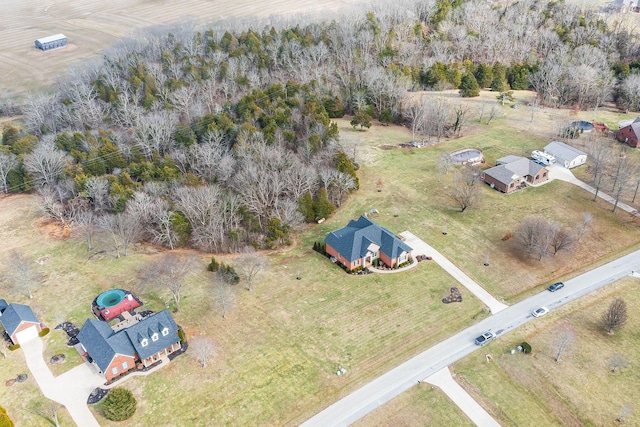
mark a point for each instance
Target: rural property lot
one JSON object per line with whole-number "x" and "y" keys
{"x": 92, "y": 25}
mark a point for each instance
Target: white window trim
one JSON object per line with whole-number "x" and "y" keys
{"x": 144, "y": 342}
{"x": 154, "y": 337}
{"x": 165, "y": 332}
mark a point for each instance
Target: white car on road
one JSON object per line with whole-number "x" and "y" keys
{"x": 539, "y": 312}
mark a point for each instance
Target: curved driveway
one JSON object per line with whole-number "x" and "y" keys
{"x": 70, "y": 389}
{"x": 384, "y": 388}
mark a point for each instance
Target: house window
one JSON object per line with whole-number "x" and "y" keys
{"x": 154, "y": 337}
{"x": 165, "y": 332}
{"x": 125, "y": 365}
{"x": 144, "y": 342}
{"x": 544, "y": 174}
{"x": 114, "y": 370}
{"x": 374, "y": 255}
{"x": 402, "y": 258}
{"x": 511, "y": 186}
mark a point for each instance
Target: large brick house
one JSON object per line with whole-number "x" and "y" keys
{"x": 117, "y": 352}
{"x": 513, "y": 173}
{"x": 19, "y": 322}
{"x": 362, "y": 241}
{"x": 630, "y": 133}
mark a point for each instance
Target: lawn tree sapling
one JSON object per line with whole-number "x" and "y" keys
{"x": 615, "y": 316}
{"x": 251, "y": 264}
{"x": 168, "y": 272}
{"x": 223, "y": 294}
{"x": 617, "y": 361}
{"x": 22, "y": 273}
{"x": 202, "y": 348}
{"x": 564, "y": 340}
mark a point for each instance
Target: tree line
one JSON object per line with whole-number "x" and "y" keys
{"x": 220, "y": 138}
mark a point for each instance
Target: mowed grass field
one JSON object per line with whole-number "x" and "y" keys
{"x": 93, "y": 25}
{"x": 278, "y": 350}
{"x": 581, "y": 390}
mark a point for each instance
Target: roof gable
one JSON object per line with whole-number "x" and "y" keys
{"x": 354, "y": 240}
{"x": 508, "y": 159}
{"x": 16, "y": 314}
{"x": 501, "y": 174}
{"x": 103, "y": 344}
{"x": 147, "y": 328}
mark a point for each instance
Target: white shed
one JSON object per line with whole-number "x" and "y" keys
{"x": 566, "y": 155}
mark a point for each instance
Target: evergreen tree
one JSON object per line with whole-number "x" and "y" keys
{"x": 469, "y": 86}
{"x": 484, "y": 75}
{"x": 499, "y": 82}
{"x": 119, "y": 405}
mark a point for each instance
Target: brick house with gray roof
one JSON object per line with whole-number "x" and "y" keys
{"x": 630, "y": 133}
{"x": 116, "y": 353}
{"x": 362, "y": 241}
{"x": 513, "y": 173}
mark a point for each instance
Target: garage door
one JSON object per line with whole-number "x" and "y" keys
{"x": 26, "y": 335}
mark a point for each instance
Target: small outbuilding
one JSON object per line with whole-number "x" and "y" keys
{"x": 629, "y": 132}
{"x": 51, "y": 42}
{"x": 19, "y": 321}
{"x": 566, "y": 155}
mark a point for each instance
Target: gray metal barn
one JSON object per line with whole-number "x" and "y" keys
{"x": 51, "y": 42}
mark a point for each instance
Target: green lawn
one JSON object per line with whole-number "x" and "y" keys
{"x": 581, "y": 390}
{"x": 278, "y": 350}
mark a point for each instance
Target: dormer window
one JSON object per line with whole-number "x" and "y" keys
{"x": 144, "y": 342}
{"x": 165, "y": 332}
{"x": 154, "y": 337}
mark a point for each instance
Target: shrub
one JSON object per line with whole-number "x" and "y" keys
{"x": 119, "y": 405}
{"x": 43, "y": 332}
{"x": 5, "y": 421}
{"x": 213, "y": 265}
{"x": 230, "y": 273}
{"x": 526, "y": 348}
{"x": 14, "y": 347}
{"x": 181, "y": 335}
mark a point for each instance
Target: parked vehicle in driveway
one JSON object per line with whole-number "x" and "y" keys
{"x": 539, "y": 312}
{"x": 485, "y": 338}
{"x": 556, "y": 286}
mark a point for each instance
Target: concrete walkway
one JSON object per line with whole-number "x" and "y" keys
{"x": 70, "y": 389}
{"x": 564, "y": 174}
{"x": 461, "y": 398}
{"x": 422, "y": 248}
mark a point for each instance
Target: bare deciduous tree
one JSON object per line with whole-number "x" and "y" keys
{"x": 583, "y": 227}
{"x": 560, "y": 239}
{"x": 45, "y": 163}
{"x": 251, "y": 264}
{"x": 465, "y": 188}
{"x": 223, "y": 293}
{"x": 615, "y": 317}
{"x": 617, "y": 361}
{"x": 124, "y": 229}
{"x": 168, "y": 272}
{"x": 626, "y": 410}
{"x": 564, "y": 339}
{"x": 444, "y": 164}
{"x": 202, "y": 348}
{"x": 8, "y": 161}
{"x": 22, "y": 273}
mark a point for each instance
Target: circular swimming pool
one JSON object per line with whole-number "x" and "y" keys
{"x": 110, "y": 298}
{"x": 467, "y": 156}
{"x": 582, "y": 125}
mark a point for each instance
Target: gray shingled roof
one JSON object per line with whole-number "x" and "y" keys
{"x": 563, "y": 151}
{"x": 102, "y": 343}
{"x": 508, "y": 159}
{"x": 149, "y": 326}
{"x": 501, "y": 174}
{"x": 353, "y": 240}
{"x": 14, "y": 314}
{"x": 521, "y": 167}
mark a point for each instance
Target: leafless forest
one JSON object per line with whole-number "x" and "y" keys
{"x": 221, "y": 138}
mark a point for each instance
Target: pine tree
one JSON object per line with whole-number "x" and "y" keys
{"x": 469, "y": 86}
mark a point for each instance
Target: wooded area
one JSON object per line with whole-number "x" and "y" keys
{"x": 223, "y": 138}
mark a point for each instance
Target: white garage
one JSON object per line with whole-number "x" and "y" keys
{"x": 28, "y": 334}
{"x": 19, "y": 321}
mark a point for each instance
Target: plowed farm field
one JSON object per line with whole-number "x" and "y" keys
{"x": 92, "y": 25}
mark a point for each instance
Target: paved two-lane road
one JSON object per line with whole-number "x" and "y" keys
{"x": 386, "y": 387}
